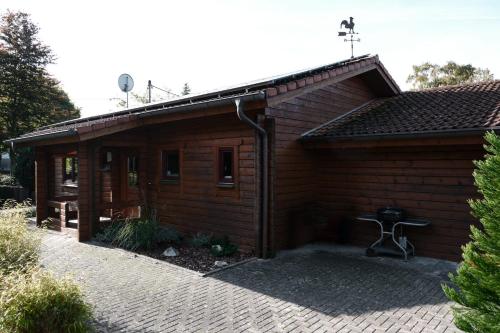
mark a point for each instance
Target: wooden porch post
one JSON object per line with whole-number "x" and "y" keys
{"x": 95, "y": 152}
{"x": 85, "y": 191}
{"x": 41, "y": 184}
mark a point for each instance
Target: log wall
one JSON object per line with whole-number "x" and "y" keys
{"x": 293, "y": 171}
{"x": 429, "y": 182}
{"x": 196, "y": 202}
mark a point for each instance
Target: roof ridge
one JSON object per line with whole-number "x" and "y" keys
{"x": 344, "y": 115}
{"x": 252, "y": 86}
{"x": 458, "y": 85}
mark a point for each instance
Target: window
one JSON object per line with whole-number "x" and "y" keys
{"x": 133, "y": 179}
{"x": 170, "y": 165}
{"x": 107, "y": 158}
{"x": 226, "y": 166}
{"x": 70, "y": 169}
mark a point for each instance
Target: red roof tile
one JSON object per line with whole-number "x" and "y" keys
{"x": 463, "y": 107}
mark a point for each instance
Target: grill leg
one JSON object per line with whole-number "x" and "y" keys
{"x": 381, "y": 238}
{"x": 393, "y": 231}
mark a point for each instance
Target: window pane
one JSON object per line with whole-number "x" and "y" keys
{"x": 107, "y": 158}
{"x": 68, "y": 161}
{"x": 132, "y": 171}
{"x": 172, "y": 169}
{"x": 132, "y": 180}
{"x": 226, "y": 165}
{"x": 70, "y": 168}
{"x": 132, "y": 164}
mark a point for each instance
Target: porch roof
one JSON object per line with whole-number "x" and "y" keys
{"x": 460, "y": 109}
{"x": 263, "y": 89}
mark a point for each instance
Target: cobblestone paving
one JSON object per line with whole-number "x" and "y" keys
{"x": 313, "y": 291}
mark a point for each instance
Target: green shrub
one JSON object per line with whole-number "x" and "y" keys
{"x": 476, "y": 286}
{"x": 168, "y": 235}
{"x": 39, "y": 302}
{"x": 32, "y": 300}
{"x": 222, "y": 247}
{"x": 24, "y": 168}
{"x": 31, "y": 210}
{"x": 108, "y": 234}
{"x": 19, "y": 246}
{"x": 7, "y": 180}
{"x": 138, "y": 234}
{"x": 201, "y": 240}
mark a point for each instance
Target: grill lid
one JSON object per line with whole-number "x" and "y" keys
{"x": 390, "y": 214}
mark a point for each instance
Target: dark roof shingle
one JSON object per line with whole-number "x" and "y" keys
{"x": 268, "y": 87}
{"x": 443, "y": 109}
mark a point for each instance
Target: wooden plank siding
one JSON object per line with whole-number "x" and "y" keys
{"x": 84, "y": 193}
{"x": 293, "y": 173}
{"x": 430, "y": 182}
{"x": 196, "y": 203}
{"x": 322, "y": 181}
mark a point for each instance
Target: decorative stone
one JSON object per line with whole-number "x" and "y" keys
{"x": 220, "y": 264}
{"x": 216, "y": 249}
{"x": 170, "y": 252}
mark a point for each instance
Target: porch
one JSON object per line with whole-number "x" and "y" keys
{"x": 83, "y": 186}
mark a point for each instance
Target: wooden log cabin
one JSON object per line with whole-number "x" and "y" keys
{"x": 276, "y": 163}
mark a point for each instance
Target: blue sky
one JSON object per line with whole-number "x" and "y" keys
{"x": 218, "y": 43}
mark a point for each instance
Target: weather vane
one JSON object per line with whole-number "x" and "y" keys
{"x": 349, "y": 25}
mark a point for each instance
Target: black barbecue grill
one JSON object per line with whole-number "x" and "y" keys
{"x": 389, "y": 220}
{"x": 390, "y": 214}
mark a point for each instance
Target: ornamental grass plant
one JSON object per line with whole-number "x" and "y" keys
{"x": 19, "y": 246}
{"x": 37, "y": 301}
{"x": 32, "y": 299}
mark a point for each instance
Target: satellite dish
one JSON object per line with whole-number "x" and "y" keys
{"x": 125, "y": 82}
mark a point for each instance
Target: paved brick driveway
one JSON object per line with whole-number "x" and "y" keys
{"x": 306, "y": 291}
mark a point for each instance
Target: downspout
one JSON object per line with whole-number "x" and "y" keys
{"x": 263, "y": 225}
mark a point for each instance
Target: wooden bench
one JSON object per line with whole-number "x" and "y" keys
{"x": 67, "y": 210}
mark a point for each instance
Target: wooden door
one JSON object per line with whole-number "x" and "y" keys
{"x": 130, "y": 177}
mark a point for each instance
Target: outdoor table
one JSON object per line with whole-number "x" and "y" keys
{"x": 406, "y": 248}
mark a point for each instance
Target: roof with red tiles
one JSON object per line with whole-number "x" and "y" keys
{"x": 461, "y": 108}
{"x": 265, "y": 88}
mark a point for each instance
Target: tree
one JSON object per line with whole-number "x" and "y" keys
{"x": 477, "y": 280}
{"x": 24, "y": 170}
{"x": 186, "y": 90}
{"x": 429, "y": 75}
{"x": 29, "y": 96}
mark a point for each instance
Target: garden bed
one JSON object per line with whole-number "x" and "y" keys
{"x": 198, "y": 259}
{"x": 199, "y": 252}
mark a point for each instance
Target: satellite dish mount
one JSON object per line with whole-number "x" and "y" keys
{"x": 126, "y": 83}
{"x": 350, "y": 26}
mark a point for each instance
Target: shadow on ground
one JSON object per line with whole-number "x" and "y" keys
{"x": 339, "y": 284}
{"x": 302, "y": 291}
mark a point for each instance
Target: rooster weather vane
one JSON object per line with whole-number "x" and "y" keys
{"x": 349, "y": 25}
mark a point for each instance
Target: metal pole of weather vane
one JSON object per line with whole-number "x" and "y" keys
{"x": 350, "y": 26}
